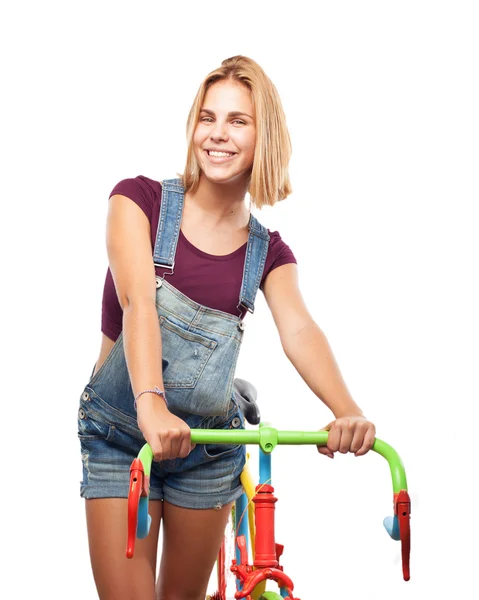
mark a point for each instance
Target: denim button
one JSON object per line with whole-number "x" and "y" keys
{"x": 85, "y": 396}
{"x": 241, "y": 326}
{"x": 236, "y": 422}
{"x": 81, "y": 414}
{"x": 158, "y": 282}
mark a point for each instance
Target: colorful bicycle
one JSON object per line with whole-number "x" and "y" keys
{"x": 254, "y": 536}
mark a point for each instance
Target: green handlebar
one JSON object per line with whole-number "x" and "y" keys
{"x": 396, "y": 466}
{"x": 268, "y": 438}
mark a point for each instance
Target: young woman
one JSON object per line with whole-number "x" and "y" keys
{"x": 186, "y": 260}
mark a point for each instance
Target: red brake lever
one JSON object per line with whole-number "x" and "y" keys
{"x": 403, "y": 512}
{"x": 137, "y": 476}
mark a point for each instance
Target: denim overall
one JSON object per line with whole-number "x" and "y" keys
{"x": 200, "y": 347}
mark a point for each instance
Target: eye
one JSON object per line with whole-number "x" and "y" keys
{"x": 206, "y": 119}
{"x": 239, "y": 122}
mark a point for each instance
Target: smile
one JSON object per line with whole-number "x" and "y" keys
{"x": 219, "y": 157}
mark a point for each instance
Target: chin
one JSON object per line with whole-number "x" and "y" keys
{"x": 227, "y": 178}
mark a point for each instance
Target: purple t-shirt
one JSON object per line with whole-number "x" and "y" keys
{"x": 214, "y": 281}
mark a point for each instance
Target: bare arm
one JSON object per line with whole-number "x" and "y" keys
{"x": 307, "y": 348}
{"x": 131, "y": 265}
{"x": 133, "y": 271}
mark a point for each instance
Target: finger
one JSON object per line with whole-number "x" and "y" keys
{"x": 346, "y": 438}
{"x": 166, "y": 445}
{"x": 368, "y": 442}
{"x": 157, "y": 449}
{"x": 175, "y": 436}
{"x": 185, "y": 446}
{"x": 358, "y": 438}
{"x": 325, "y": 450}
{"x": 334, "y": 438}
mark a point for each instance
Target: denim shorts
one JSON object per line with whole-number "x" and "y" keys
{"x": 209, "y": 477}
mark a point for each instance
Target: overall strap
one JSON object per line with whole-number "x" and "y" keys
{"x": 171, "y": 210}
{"x": 256, "y": 251}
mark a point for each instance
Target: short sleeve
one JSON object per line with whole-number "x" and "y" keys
{"x": 139, "y": 190}
{"x": 279, "y": 253}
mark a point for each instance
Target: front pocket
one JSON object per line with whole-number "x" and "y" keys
{"x": 90, "y": 428}
{"x": 186, "y": 354}
{"x": 215, "y": 451}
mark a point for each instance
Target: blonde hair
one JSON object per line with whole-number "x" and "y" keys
{"x": 269, "y": 181}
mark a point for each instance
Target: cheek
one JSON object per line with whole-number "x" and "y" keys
{"x": 248, "y": 143}
{"x": 200, "y": 135}
{"x": 197, "y": 138}
{"x": 251, "y": 149}
{"x": 252, "y": 137}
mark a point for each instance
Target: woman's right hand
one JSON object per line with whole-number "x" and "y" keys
{"x": 168, "y": 435}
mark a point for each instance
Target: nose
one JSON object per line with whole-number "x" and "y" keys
{"x": 219, "y": 132}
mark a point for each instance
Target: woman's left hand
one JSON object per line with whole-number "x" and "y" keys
{"x": 349, "y": 434}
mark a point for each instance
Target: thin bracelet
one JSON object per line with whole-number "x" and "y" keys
{"x": 155, "y": 390}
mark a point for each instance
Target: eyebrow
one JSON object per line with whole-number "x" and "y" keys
{"x": 234, "y": 113}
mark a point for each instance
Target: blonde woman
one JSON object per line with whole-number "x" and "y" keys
{"x": 186, "y": 259}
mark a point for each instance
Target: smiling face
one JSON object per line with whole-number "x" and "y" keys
{"x": 225, "y": 135}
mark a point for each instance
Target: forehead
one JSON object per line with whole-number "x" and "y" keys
{"x": 229, "y": 96}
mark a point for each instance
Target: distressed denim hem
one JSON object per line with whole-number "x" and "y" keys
{"x": 91, "y": 492}
{"x": 201, "y": 501}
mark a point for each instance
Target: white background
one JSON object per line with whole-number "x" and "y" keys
{"x": 381, "y": 100}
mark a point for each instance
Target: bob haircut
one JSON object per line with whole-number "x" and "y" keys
{"x": 269, "y": 180}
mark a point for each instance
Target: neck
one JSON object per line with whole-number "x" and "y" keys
{"x": 220, "y": 200}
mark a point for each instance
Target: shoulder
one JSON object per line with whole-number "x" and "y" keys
{"x": 276, "y": 243}
{"x": 142, "y": 190}
{"x": 279, "y": 253}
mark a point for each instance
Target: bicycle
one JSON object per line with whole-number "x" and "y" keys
{"x": 255, "y": 535}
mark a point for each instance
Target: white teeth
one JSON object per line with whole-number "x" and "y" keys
{"x": 219, "y": 154}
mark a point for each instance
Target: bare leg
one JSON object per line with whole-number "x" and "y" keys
{"x": 117, "y": 577}
{"x": 191, "y": 542}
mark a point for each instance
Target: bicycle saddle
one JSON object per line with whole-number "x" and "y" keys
{"x": 246, "y": 394}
